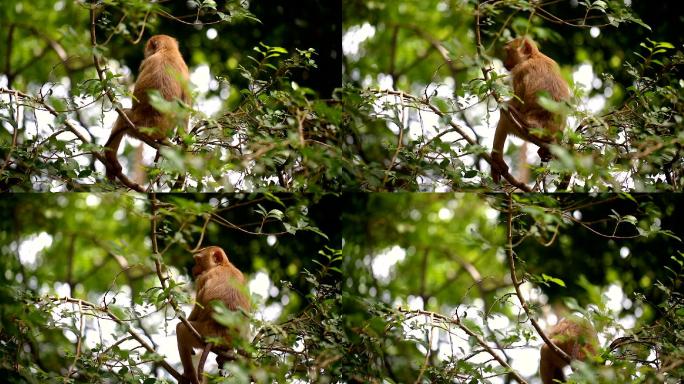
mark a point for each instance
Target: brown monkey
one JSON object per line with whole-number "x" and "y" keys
{"x": 161, "y": 69}
{"x": 217, "y": 279}
{"x": 532, "y": 72}
{"x": 576, "y": 337}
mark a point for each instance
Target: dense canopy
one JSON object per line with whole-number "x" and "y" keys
{"x": 345, "y": 157}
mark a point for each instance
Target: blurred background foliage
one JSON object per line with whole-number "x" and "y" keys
{"x": 265, "y": 115}
{"x": 43, "y": 26}
{"x": 79, "y": 240}
{"x": 446, "y": 237}
{"x": 615, "y": 258}
{"x": 99, "y": 248}
{"x": 624, "y": 59}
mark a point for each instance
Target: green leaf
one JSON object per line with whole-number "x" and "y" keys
{"x": 554, "y": 280}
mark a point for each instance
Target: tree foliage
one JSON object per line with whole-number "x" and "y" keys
{"x": 299, "y": 108}
{"x": 91, "y": 299}
{"x": 463, "y": 287}
{"x": 424, "y": 83}
{"x": 256, "y": 126}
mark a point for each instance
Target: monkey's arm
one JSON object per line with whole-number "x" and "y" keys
{"x": 200, "y": 297}
{"x": 195, "y": 313}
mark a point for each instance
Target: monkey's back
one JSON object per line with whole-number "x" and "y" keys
{"x": 576, "y": 336}
{"x": 540, "y": 74}
{"x": 160, "y": 71}
{"x": 223, "y": 283}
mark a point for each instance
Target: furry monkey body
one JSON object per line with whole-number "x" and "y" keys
{"x": 217, "y": 279}
{"x": 576, "y": 337}
{"x": 532, "y": 73}
{"x": 163, "y": 69}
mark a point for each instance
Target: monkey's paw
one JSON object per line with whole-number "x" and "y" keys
{"x": 498, "y": 166}
{"x": 544, "y": 154}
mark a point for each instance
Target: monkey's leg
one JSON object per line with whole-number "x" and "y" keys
{"x": 112, "y": 165}
{"x": 502, "y": 129}
{"x": 186, "y": 342}
{"x": 523, "y": 122}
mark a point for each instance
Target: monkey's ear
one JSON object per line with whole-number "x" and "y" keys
{"x": 527, "y": 46}
{"x": 218, "y": 255}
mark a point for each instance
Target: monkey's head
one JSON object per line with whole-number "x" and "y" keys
{"x": 208, "y": 258}
{"x": 157, "y": 43}
{"x": 517, "y": 51}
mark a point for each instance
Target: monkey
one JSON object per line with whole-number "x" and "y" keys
{"x": 163, "y": 69}
{"x": 532, "y": 72}
{"x": 217, "y": 279}
{"x": 576, "y": 337}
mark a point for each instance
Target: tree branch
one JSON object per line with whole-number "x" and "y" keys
{"x": 460, "y": 131}
{"x": 517, "y": 284}
{"x": 135, "y": 335}
{"x": 457, "y": 322}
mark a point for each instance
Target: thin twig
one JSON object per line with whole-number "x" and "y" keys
{"x": 427, "y": 354}
{"x": 128, "y": 329}
{"x": 79, "y": 342}
{"x": 457, "y": 322}
{"x": 460, "y": 131}
{"x": 400, "y": 139}
{"x": 517, "y": 284}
